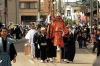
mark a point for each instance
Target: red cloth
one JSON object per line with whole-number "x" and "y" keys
{"x": 83, "y": 18}
{"x": 56, "y": 29}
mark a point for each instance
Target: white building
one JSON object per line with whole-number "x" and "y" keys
{"x": 72, "y": 10}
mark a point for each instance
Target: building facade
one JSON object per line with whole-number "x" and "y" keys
{"x": 23, "y": 11}
{"x": 28, "y": 10}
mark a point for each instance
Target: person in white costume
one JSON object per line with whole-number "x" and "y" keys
{"x": 29, "y": 36}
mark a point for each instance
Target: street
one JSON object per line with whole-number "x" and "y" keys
{"x": 83, "y": 57}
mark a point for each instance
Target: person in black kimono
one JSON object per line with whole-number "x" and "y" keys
{"x": 65, "y": 50}
{"x": 36, "y": 43}
{"x": 51, "y": 49}
{"x": 79, "y": 38}
{"x": 43, "y": 45}
{"x": 88, "y": 32}
{"x": 7, "y": 49}
{"x": 17, "y": 32}
{"x": 98, "y": 42}
{"x": 71, "y": 46}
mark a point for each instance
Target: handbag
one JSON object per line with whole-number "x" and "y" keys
{"x": 27, "y": 49}
{"x": 87, "y": 43}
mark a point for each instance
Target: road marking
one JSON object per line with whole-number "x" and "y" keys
{"x": 31, "y": 61}
{"x": 90, "y": 53}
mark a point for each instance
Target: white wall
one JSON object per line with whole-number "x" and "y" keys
{"x": 70, "y": 0}
{"x": 73, "y": 15}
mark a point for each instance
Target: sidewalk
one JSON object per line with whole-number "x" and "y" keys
{"x": 82, "y": 58}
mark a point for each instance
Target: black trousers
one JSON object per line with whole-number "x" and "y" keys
{"x": 80, "y": 43}
{"x": 98, "y": 49}
{"x": 43, "y": 52}
{"x": 94, "y": 46}
{"x": 17, "y": 36}
{"x": 71, "y": 51}
{"x": 65, "y": 52}
{"x": 51, "y": 49}
{"x": 37, "y": 51}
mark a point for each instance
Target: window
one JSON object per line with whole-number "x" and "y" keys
{"x": 33, "y": 5}
{"x": 22, "y": 5}
{"x": 28, "y": 18}
{"x": 68, "y": 13}
{"x": 28, "y": 5}
{"x": 74, "y": 11}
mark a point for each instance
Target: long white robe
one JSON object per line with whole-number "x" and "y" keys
{"x": 30, "y": 36}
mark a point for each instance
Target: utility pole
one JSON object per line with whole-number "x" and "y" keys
{"x": 16, "y": 2}
{"x": 53, "y": 8}
{"x": 38, "y": 12}
{"x": 5, "y": 12}
{"x": 59, "y": 6}
{"x": 91, "y": 16}
{"x": 97, "y": 14}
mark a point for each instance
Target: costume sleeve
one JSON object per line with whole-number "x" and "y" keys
{"x": 35, "y": 38}
{"x": 52, "y": 30}
{"x": 39, "y": 39}
{"x": 13, "y": 52}
{"x": 66, "y": 31}
{"x": 27, "y": 35}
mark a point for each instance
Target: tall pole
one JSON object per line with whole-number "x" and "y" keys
{"x": 91, "y": 16}
{"x": 64, "y": 10}
{"x": 16, "y": 11}
{"x": 38, "y": 12}
{"x": 97, "y": 14}
{"x": 59, "y": 6}
{"x": 53, "y": 8}
{"x": 5, "y": 12}
{"x": 67, "y": 13}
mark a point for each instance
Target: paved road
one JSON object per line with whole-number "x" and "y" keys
{"x": 83, "y": 57}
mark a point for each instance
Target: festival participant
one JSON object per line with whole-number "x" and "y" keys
{"x": 43, "y": 45}
{"x": 98, "y": 41}
{"x": 36, "y": 43}
{"x": 7, "y": 49}
{"x": 93, "y": 39}
{"x": 29, "y": 36}
{"x": 58, "y": 29}
{"x": 71, "y": 46}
